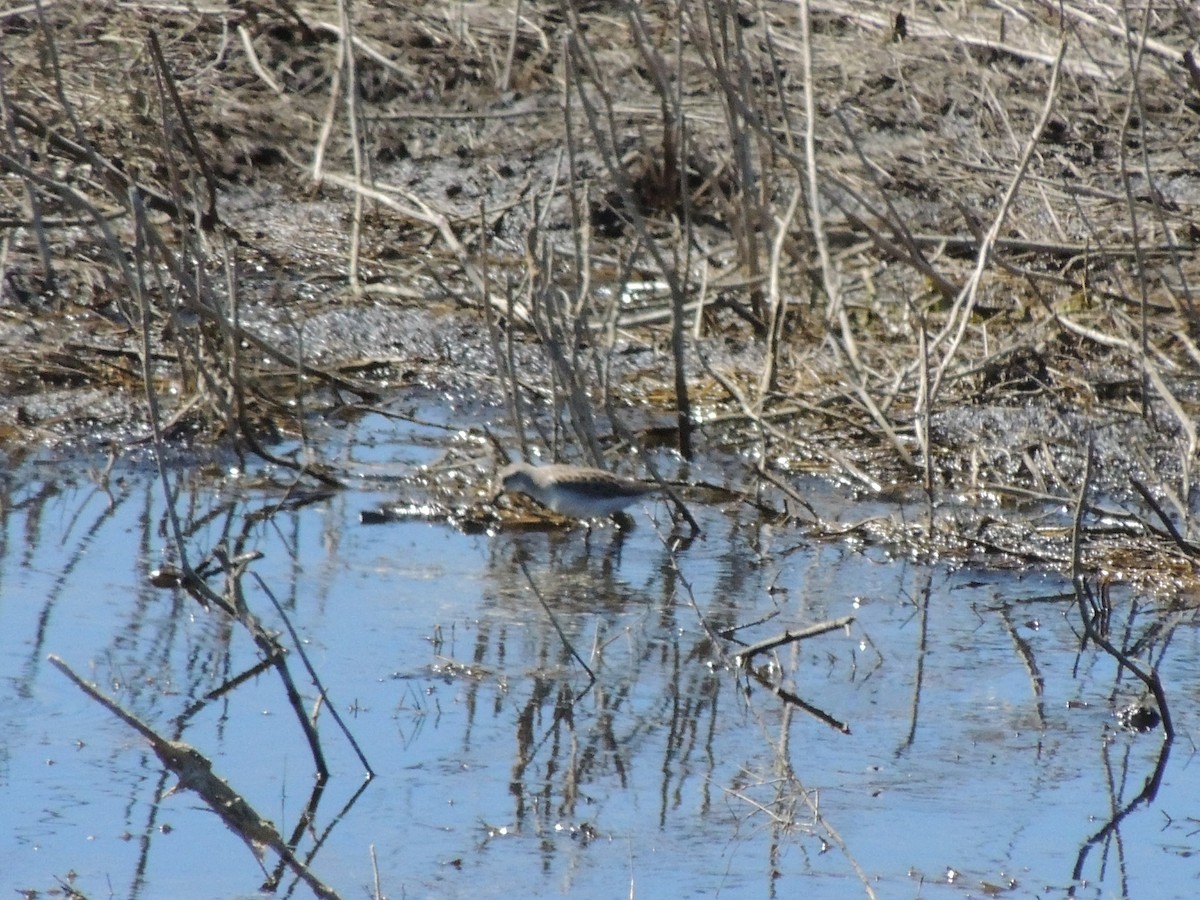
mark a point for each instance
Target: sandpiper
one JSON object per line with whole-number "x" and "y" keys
{"x": 573, "y": 491}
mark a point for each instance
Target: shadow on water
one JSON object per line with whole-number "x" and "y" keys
{"x": 558, "y": 710}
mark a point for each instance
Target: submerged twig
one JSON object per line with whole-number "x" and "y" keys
{"x": 298, "y": 644}
{"x": 195, "y": 773}
{"x": 562, "y": 635}
{"x": 794, "y": 699}
{"x": 1083, "y": 596}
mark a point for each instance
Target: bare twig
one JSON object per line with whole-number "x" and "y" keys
{"x": 960, "y": 315}
{"x": 745, "y": 656}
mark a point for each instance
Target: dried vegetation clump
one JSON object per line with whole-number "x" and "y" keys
{"x": 949, "y": 249}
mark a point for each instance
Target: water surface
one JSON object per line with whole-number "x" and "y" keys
{"x": 982, "y": 753}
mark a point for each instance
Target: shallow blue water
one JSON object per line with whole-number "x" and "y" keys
{"x": 666, "y": 777}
